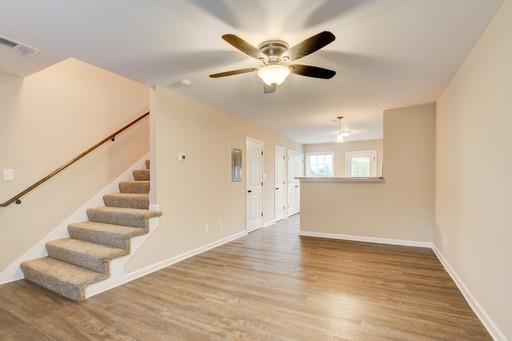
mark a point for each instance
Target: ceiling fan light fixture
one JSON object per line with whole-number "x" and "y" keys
{"x": 275, "y": 55}
{"x": 274, "y": 75}
{"x": 340, "y": 138}
{"x": 346, "y": 133}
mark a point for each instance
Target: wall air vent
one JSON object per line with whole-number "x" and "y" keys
{"x": 23, "y": 49}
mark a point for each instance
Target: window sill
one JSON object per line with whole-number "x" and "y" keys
{"x": 332, "y": 179}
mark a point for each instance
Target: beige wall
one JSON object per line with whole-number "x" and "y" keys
{"x": 199, "y": 192}
{"x": 340, "y": 149}
{"x": 473, "y": 227}
{"x": 45, "y": 120}
{"x": 402, "y": 207}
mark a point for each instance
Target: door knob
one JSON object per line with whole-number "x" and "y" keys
{"x": 249, "y": 191}
{"x": 277, "y": 188}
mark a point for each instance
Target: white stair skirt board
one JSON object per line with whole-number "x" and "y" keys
{"x": 479, "y": 311}
{"x": 122, "y": 277}
{"x": 13, "y": 271}
{"x": 366, "y": 239}
{"x": 118, "y": 274}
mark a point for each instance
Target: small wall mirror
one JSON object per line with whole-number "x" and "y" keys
{"x": 236, "y": 165}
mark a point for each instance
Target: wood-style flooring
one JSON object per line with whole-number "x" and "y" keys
{"x": 270, "y": 285}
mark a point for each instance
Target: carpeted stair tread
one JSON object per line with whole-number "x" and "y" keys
{"x": 85, "y": 254}
{"x": 74, "y": 263}
{"x": 63, "y": 278}
{"x": 141, "y": 175}
{"x": 106, "y": 234}
{"x": 134, "y": 186}
{"x": 127, "y": 200}
{"x": 122, "y": 216}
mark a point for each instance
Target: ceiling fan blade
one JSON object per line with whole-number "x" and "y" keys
{"x": 232, "y": 72}
{"x": 268, "y": 89}
{"x": 242, "y": 45}
{"x": 310, "y": 45}
{"x": 312, "y": 71}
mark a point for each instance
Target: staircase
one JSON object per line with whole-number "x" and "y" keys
{"x": 83, "y": 259}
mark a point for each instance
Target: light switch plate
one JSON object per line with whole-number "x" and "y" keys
{"x": 8, "y": 174}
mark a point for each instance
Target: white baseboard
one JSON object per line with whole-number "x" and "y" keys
{"x": 154, "y": 207}
{"x": 269, "y": 223}
{"x": 366, "y": 239}
{"x": 479, "y": 311}
{"x": 128, "y": 277}
{"x": 13, "y": 271}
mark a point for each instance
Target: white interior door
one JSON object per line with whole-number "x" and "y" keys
{"x": 295, "y": 169}
{"x": 299, "y": 172}
{"x": 254, "y": 184}
{"x": 280, "y": 183}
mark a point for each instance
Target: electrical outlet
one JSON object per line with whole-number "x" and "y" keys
{"x": 221, "y": 225}
{"x": 445, "y": 240}
{"x": 206, "y": 228}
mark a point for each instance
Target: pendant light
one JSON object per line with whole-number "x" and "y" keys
{"x": 339, "y": 137}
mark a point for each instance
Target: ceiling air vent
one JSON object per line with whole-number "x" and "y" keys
{"x": 21, "y": 48}
{"x": 8, "y": 43}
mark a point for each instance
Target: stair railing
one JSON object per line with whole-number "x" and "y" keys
{"x": 112, "y": 137}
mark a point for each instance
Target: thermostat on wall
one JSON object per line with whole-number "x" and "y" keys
{"x": 8, "y": 174}
{"x": 182, "y": 157}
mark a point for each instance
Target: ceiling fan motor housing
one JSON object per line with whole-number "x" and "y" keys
{"x": 274, "y": 50}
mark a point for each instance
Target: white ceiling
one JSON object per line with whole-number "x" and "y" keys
{"x": 387, "y": 53}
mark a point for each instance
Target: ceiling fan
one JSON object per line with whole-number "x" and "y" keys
{"x": 276, "y": 56}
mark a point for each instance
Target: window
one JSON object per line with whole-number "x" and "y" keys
{"x": 320, "y": 164}
{"x": 360, "y": 164}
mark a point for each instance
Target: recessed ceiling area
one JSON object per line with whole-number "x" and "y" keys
{"x": 387, "y": 53}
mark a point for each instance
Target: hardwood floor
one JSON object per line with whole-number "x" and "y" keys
{"x": 270, "y": 285}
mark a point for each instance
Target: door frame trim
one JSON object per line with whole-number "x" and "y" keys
{"x": 285, "y": 186}
{"x": 247, "y": 139}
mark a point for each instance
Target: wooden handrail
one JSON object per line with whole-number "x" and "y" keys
{"x": 112, "y": 137}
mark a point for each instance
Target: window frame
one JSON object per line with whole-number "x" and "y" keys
{"x": 333, "y": 154}
{"x": 354, "y": 153}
